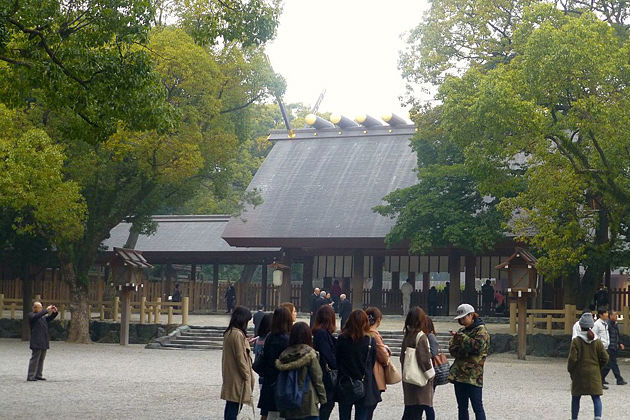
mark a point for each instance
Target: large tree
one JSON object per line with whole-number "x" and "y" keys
{"x": 142, "y": 114}
{"x": 536, "y": 97}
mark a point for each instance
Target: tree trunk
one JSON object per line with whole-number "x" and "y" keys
{"x": 80, "y": 323}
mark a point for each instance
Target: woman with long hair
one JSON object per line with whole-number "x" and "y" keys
{"x": 324, "y": 342}
{"x": 587, "y": 357}
{"x": 469, "y": 346}
{"x": 301, "y": 355}
{"x": 263, "y": 330}
{"x": 382, "y": 351}
{"x": 418, "y": 399}
{"x": 356, "y": 354}
{"x": 277, "y": 340}
{"x": 291, "y": 308}
{"x": 236, "y": 364}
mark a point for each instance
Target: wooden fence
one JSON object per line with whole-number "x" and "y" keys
{"x": 549, "y": 321}
{"x": 150, "y": 312}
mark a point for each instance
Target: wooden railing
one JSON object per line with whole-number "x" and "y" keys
{"x": 150, "y": 312}
{"x": 548, "y": 321}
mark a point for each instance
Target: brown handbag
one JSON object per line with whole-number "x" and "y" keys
{"x": 439, "y": 360}
{"x": 392, "y": 376}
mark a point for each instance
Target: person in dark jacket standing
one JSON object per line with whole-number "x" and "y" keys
{"x": 324, "y": 343}
{"x": 230, "y": 297}
{"x": 40, "y": 339}
{"x": 345, "y": 308}
{"x": 356, "y": 355}
{"x": 275, "y": 343}
{"x": 613, "y": 348}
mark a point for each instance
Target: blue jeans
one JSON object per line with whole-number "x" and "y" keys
{"x": 575, "y": 405}
{"x": 361, "y": 412}
{"x": 414, "y": 412}
{"x": 465, "y": 392}
{"x": 231, "y": 410}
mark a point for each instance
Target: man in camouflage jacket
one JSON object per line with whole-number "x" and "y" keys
{"x": 469, "y": 346}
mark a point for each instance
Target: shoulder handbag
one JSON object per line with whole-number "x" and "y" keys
{"x": 412, "y": 372}
{"x": 332, "y": 375}
{"x": 442, "y": 367}
{"x": 350, "y": 390}
{"x": 392, "y": 376}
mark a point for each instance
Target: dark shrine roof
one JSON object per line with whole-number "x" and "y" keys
{"x": 319, "y": 188}
{"x": 186, "y": 239}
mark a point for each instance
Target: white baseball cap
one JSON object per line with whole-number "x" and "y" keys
{"x": 463, "y": 310}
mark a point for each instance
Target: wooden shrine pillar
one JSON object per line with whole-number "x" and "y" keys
{"x": 263, "y": 285}
{"x": 357, "y": 281}
{"x": 395, "y": 280}
{"x": 376, "y": 294}
{"x": 412, "y": 278}
{"x": 215, "y": 287}
{"x": 426, "y": 285}
{"x": 307, "y": 284}
{"x": 193, "y": 291}
{"x": 454, "y": 298}
{"x": 285, "y": 289}
{"x": 470, "y": 293}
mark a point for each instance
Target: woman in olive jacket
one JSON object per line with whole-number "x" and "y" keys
{"x": 301, "y": 355}
{"x": 418, "y": 399}
{"x": 587, "y": 357}
{"x": 236, "y": 366}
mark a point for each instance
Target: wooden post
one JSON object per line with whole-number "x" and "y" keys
{"x": 357, "y": 281}
{"x": 513, "y": 317}
{"x": 531, "y": 325}
{"x": 307, "y": 284}
{"x": 469, "y": 279}
{"x": 522, "y": 332}
{"x": 158, "y": 309}
{"x": 143, "y": 308}
{"x": 193, "y": 291}
{"x": 549, "y": 323}
{"x": 569, "y": 319}
{"x": 454, "y": 298}
{"x": 185, "y": 310}
{"x": 626, "y": 320}
{"x": 125, "y": 317}
{"x": 395, "y": 280}
{"x": 13, "y": 310}
{"x": 170, "y": 314}
{"x": 376, "y": 294}
{"x": 115, "y": 310}
{"x": 215, "y": 287}
{"x": 264, "y": 285}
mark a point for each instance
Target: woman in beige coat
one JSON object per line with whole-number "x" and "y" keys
{"x": 382, "y": 351}
{"x": 238, "y": 376}
{"x": 418, "y": 399}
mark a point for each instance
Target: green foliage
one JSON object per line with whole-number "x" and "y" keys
{"x": 539, "y": 111}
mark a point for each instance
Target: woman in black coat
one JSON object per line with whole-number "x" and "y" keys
{"x": 356, "y": 354}
{"x": 324, "y": 342}
{"x": 275, "y": 343}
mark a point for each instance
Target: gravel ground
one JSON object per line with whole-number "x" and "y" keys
{"x": 114, "y": 382}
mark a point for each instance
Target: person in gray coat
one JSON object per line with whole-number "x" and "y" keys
{"x": 40, "y": 339}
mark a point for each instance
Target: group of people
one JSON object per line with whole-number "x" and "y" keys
{"x": 592, "y": 355}
{"x": 335, "y": 299}
{"x": 304, "y": 371}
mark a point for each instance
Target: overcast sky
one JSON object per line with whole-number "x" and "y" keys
{"x": 348, "y": 47}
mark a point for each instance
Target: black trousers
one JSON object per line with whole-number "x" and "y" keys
{"x": 612, "y": 365}
{"x": 36, "y": 364}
